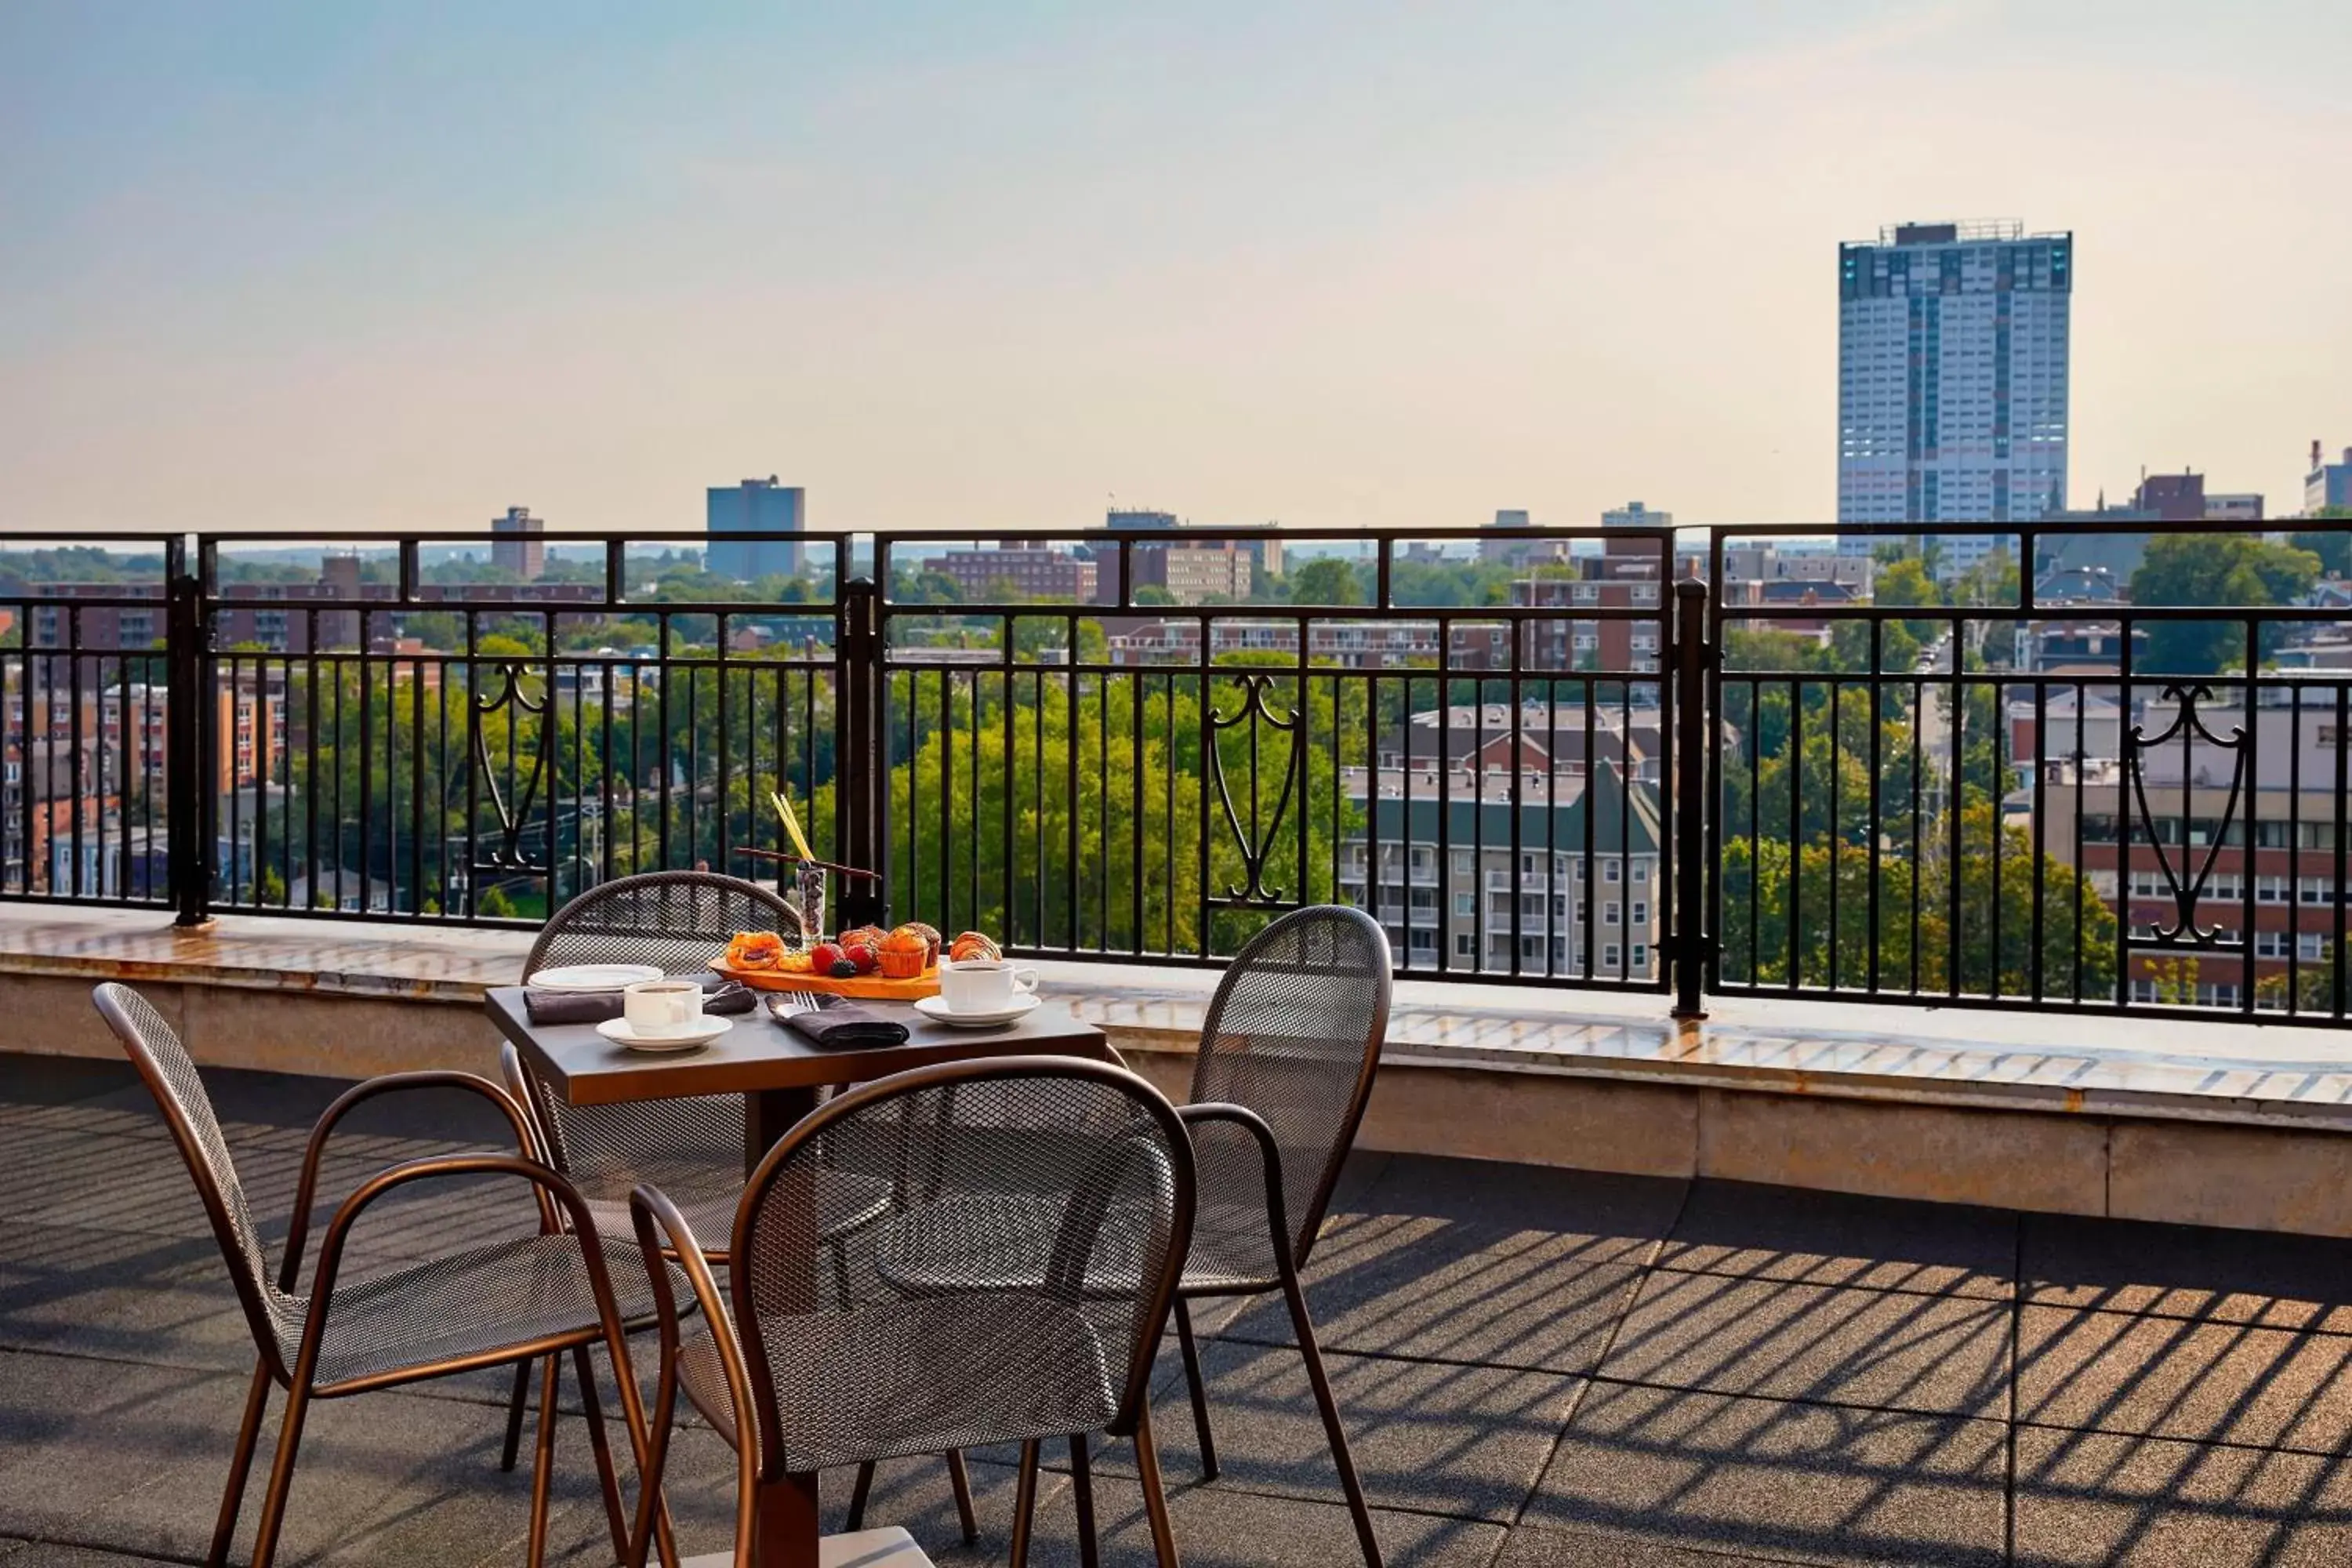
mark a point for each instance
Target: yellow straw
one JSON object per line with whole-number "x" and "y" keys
{"x": 792, "y": 824}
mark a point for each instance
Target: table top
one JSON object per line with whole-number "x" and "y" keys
{"x": 760, "y": 1054}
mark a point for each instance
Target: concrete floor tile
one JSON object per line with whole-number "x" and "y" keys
{"x": 1875, "y": 1350}
{"x": 1216, "y": 1526}
{"x": 2167, "y": 1378}
{"x": 2188, "y": 1271}
{"x": 1615, "y": 1218}
{"x": 1460, "y": 1440}
{"x": 1530, "y": 1547}
{"x": 1843, "y": 1238}
{"x": 1800, "y": 1482}
{"x": 2087, "y": 1499}
{"x": 1440, "y": 1289}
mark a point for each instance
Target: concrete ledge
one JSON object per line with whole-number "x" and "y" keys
{"x": 2222, "y": 1124}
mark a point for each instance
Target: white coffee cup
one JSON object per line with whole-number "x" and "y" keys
{"x": 655, "y": 1007}
{"x": 985, "y": 984}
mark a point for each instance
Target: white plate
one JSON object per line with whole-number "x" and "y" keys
{"x": 594, "y": 976}
{"x": 936, "y": 1009}
{"x": 684, "y": 1039}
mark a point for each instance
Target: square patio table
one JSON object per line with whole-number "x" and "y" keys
{"x": 778, "y": 1073}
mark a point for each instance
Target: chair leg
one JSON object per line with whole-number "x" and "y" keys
{"x": 1024, "y": 1503}
{"x": 1341, "y": 1459}
{"x": 515, "y": 1403}
{"x": 960, "y": 1480}
{"x": 1082, "y": 1494}
{"x": 593, "y": 1407}
{"x": 240, "y": 1466}
{"x": 856, "y": 1519}
{"x": 281, "y": 1476}
{"x": 1155, "y": 1500}
{"x": 542, "y": 1463}
{"x": 1197, "y": 1389}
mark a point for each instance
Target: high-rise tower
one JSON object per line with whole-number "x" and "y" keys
{"x": 1952, "y": 377}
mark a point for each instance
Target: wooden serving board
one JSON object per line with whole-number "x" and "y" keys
{"x": 863, "y": 988}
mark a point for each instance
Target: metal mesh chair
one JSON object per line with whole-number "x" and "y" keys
{"x": 818, "y": 1356}
{"x": 690, "y": 1148}
{"x": 1286, "y": 1059}
{"x": 525, "y": 1299}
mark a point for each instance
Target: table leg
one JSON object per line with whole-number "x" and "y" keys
{"x": 784, "y": 1523}
{"x": 768, "y": 1115}
{"x": 784, "y": 1519}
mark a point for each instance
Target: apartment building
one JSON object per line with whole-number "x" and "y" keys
{"x": 1564, "y": 882}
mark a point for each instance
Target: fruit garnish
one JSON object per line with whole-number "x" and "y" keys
{"x": 826, "y": 957}
{"x": 844, "y": 970}
{"x": 865, "y": 955}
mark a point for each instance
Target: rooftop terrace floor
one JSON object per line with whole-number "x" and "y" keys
{"x": 1539, "y": 1368}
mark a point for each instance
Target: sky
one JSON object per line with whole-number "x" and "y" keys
{"x": 973, "y": 265}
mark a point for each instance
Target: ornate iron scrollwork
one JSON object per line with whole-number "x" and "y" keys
{"x": 2191, "y": 725}
{"x": 1256, "y": 848}
{"x": 509, "y": 695}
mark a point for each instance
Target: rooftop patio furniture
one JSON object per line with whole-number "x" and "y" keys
{"x": 1286, "y": 1066}
{"x": 814, "y": 1357}
{"x": 523, "y": 1301}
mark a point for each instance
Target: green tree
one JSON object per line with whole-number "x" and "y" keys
{"x": 2332, "y": 546}
{"x": 1920, "y": 921}
{"x": 1327, "y": 580}
{"x": 2232, "y": 569}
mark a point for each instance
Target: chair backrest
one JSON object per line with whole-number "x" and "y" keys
{"x": 170, "y": 1074}
{"x": 678, "y": 920}
{"x": 1294, "y": 1033}
{"x": 1016, "y": 1287}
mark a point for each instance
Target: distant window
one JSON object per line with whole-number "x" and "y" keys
{"x": 1609, "y": 952}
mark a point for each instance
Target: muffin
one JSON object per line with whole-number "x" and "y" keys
{"x": 905, "y": 955}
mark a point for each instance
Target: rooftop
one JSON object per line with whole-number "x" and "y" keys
{"x": 1539, "y": 1368}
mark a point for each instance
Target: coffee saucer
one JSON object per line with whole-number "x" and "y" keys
{"x": 683, "y": 1037}
{"x": 936, "y": 1008}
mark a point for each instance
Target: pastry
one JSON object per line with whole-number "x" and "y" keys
{"x": 973, "y": 944}
{"x": 755, "y": 950}
{"x": 905, "y": 953}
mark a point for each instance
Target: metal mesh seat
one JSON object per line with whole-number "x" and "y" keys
{"x": 825, "y": 1359}
{"x": 524, "y": 1299}
{"x": 459, "y": 1307}
{"x": 690, "y": 1147}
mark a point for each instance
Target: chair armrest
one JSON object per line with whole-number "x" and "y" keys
{"x": 664, "y": 1237}
{"x": 1250, "y": 1121}
{"x": 552, "y": 1189}
{"x": 358, "y": 1095}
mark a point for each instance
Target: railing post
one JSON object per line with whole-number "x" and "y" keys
{"x": 186, "y": 775}
{"x": 1693, "y": 945}
{"x": 859, "y": 774}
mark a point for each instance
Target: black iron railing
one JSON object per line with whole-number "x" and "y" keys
{"x": 1979, "y": 770}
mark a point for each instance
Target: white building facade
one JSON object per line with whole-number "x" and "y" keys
{"x": 1953, "y": 375}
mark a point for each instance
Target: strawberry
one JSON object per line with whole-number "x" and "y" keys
{"x": 824, "y": 956}
{"x": 867, "y": 957}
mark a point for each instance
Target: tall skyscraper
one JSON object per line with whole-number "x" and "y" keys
{"x": 513, "y": 549}
{"x": 755, "y": 506}
{"x": 1952, "y": 378}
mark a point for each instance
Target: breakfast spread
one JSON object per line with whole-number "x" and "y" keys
{"x": 902, "y": 963}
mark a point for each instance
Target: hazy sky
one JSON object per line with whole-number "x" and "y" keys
{"x": 345, "y": 265}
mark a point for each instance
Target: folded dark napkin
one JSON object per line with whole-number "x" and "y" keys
{"x": 719, "y": 994}
{"x": 842, "y": 1024}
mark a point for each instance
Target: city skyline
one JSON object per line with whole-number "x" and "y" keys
{"x": 984, "y": 271}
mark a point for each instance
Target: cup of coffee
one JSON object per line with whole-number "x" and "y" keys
{"x": 985, "y": 984}
{"x": 655, "y": 1007}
